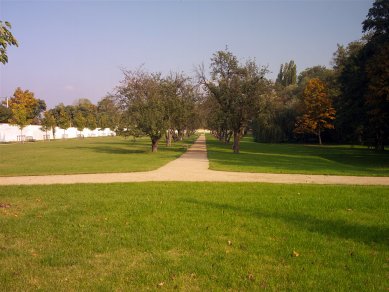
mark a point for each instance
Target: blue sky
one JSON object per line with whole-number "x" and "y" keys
{"x": 76, "y": 49}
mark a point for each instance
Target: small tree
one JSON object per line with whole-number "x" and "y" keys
{"x": 47, "y": 122}
{"x": 22, "y": 105}
{"x": 64, "y": 120}
{"x": 318, "y": 111}
{"x": 79, "y": 121}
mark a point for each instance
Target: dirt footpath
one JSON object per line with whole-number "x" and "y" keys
{"x": 193, "y": 166}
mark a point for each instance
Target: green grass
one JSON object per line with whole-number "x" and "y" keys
{"x": 91, "y": 155}
{"x": 132, "y": 237}
{"x": 297, "y": 158}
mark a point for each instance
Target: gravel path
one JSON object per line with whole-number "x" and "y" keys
{"x": 193, "y": 166}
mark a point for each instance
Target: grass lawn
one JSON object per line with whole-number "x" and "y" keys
{"x": 297, "y": 158}
{"x": 194, "y": 236}
{"x": 90, "y": 155}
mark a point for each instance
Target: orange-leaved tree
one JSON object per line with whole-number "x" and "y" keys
{"x": 22, "y": 105}
{"x": 318, "y": 111}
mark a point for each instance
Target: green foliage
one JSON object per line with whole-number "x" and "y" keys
{"x": 377, "y": 20}
{"x": 48, "y": 121}
{"x": 79, "y": 121}
{"x": 234, "y": 91}
{"x": 287, "y": 75}
{"x": 362, "y": 74}
{"x": 193, "y": 236}
{"x": 5, "y": 114}
{"x": 153, "y": 105}
{"x": 108, "y": 113}
{"x": 6, "y": 39}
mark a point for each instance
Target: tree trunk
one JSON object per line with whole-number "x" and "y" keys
{"x": 21, "y": 136}
{"x": 168, "y": 138}
{"x": 179, "y": 133}
{"x": 236, "y": 145}
{"x": 154, "y": 144}
{"x": 379, "y": 143}
{"x": 319, "y": 136}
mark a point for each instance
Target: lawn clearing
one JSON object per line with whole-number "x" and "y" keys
{"x": 297, "y": 158}
{"x": 91, "y": 155}
{"x": 194, "y": 236}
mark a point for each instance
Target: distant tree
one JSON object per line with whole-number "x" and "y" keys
{"x": 5, "y": 114}
{"x": 288, "y": 74}
{"x": 6, "y": 39}
{"x": 47, "y": 122}
{"x": 38, "y": 110}
{"x": 318, "y": 112}
{"x": 108, "y": 113}
{"x": 80, "y": 121}
{"x": 179, "y": 97}
{"x": 22, "y": 105}
{"x": 64, "y": 120}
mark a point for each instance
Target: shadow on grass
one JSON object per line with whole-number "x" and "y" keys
{"x": 299, "y": 157}
{"x": 334, "y": 228}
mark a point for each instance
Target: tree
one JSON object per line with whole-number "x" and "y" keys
{"x": 236, "y": 89}
{"x": 108, "y": 113}
{"x": 47, "y": 122}
{"x": 318, "y": 113}
{"x": 179, "y": 97}
{"x": 141, "y": 97}
{"x": 6, "y": 39}
{"x": 22, "y": 106}
{"x": 79, "y": 121}
{"x": 5, "y": 114}
{"x": 351, "y": 115}
{"x": 377, "y": 20}
{"x": 63, "y": 119}
{"x": 376, "y": 70}
{"x": 377, "y": 95}
{"x": 287, "y": 75}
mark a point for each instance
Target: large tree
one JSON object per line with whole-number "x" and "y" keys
{"x": 318, "y": 111}
{"x": 376, "y": 68}
{"x": 6, "y": 39}
{"x": 141, "y": 98}
{"x": 236, "y": 89}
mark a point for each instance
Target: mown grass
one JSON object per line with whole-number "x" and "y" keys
{"x": 90, "y": 155}
{"x": 194, "y": 236}
{"x": 297, "y": 158}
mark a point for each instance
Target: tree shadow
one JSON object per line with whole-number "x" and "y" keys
{"x": 304, "y": 157}
{"x": 367, "y": 234}
{"x": 111, "y": 150}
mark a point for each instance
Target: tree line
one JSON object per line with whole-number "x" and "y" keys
{"x": 347, "y": 103}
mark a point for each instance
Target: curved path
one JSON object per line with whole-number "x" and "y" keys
{"x": 193, "y": 166}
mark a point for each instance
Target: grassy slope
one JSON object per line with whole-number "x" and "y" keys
{"x": 136, "y": 236}
{"x": 91, "y": 155}
{"x": 293, "y": 158}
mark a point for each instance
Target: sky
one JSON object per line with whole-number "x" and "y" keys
{"x": 78, "y": 48}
